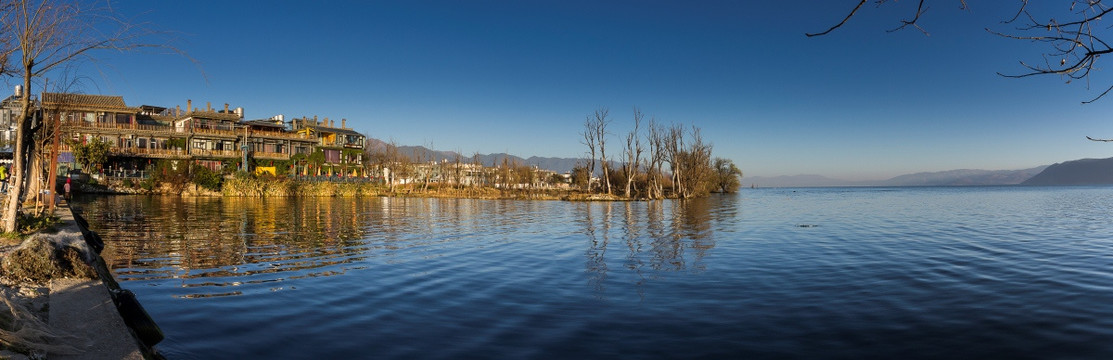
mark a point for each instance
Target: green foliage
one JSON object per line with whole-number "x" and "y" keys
{"x": 174, "y": 172}
{"x": 728, "y": 177}
{"x": 555, "y": 179}
{"x": 91, "y": 154}
{"x": 28, "y": 223}
{"x": 316, "y": 158}
{"x": 147, "y": 184}
{"x": 228, "y": 166}
{"x": 206, "y": 178}
{"x": 580, "y": 176}
{"x": 176, "y": 143}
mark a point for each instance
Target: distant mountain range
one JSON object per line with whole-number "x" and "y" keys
{"x": 560, "y": 165}
{"x": 1076, "y": 172}
{"x": 963, "y": 177}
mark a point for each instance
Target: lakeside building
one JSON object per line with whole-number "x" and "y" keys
{"x": 213, "y": 138}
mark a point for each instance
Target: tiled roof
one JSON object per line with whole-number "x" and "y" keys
{"x": 84, "y": 101}
{"x": 333, "y": 130}
{"x": 265, "y": 123}
{"x": 211, "y": 115}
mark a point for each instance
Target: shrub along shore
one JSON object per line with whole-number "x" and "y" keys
{"x": 268, "y": 186}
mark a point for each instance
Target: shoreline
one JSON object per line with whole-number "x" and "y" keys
{"x": 74, "y": 316}
{"x": 295, "y": 188}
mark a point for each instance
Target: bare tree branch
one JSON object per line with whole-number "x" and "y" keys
{"x": 920, "y": 9}
{"x": 1073, "y": 50}
{"x": 840, "y": 24}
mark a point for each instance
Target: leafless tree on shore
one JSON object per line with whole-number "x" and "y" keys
{"x": 655, "y": 137}
{"x": 600, "y": 127}
{"x": 633, "y": 152}
{"x": 44, "y": 35}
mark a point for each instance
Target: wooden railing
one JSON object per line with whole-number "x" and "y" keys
{"x": 270, "y": 155}
{"x": 277, "y": 134}
{"x": 214, "y": 131}
{"x": 118, "y": 126}
{"x": 216, "y": 153}
{"x": 158, "y": 153}
{"x": 200, "y": 130}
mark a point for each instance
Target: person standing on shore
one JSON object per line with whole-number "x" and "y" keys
{"x": 3, "y": 178}
{"x": 67, "y": 189}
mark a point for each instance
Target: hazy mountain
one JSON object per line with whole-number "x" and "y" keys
{"x": 964, "y": 177}
{"x": 1077, "y": 172}
{"x": 939, "y": 178}
{"x": 560, "y": 165}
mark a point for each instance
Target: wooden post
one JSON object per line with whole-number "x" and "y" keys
{"x": 54, "y": 152}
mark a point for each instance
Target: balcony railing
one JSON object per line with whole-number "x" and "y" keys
{"x": 154, "y": 153}
{"x": 216, "y": 153}
{"x": 118, "y": 126}
{"x": 208, "y": 131}
{"x": 270, "y": 155}
{"x": 277, "y": 134}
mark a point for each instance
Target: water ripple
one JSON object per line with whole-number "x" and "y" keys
{"x": 881, "y": 273}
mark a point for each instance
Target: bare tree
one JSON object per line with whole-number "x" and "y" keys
{"x": 589, "y": 139}
{"x": 633, "y": 152}
{"x": 655, "y": 137}
{"x": 477, "y": 165}
{"x": 457, "y": 171}
{"x": 673, "y": 146}
{"x": 46, "y": 35}
{"x": 699, "y": 176}
{"x": 398, "y": 164}
{"x": 600, "y": 126}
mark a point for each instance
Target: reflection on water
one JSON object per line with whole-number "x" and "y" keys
{"x": 656, "y": 235}
{"x": 231, "y": 239}
{"x": 906, "y": 273}
{"x": 208, "y": 243}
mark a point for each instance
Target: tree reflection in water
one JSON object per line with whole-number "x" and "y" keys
{"x": 659, "y": 236}
{"x": 202, "y": 243}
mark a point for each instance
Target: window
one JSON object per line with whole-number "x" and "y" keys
{"x": 332, "y": 156}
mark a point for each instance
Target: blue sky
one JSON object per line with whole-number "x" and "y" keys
{"x": 520, "y": 76}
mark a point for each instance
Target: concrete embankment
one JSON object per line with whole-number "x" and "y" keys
{"x": 89, "y": 311}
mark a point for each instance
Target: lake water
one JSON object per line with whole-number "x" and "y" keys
{"x": 995, "y": 272}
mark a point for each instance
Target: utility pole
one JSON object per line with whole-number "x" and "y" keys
{"x": 243, "y": 148}
{"x": 56, "y": 123}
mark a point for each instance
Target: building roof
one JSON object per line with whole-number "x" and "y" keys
{"x": 264, "y": 123}
{"x": 85, "y": 101}
{"x": 148, "y": 119}
{"x": 211, "y": 115}
{"x": 332, "y": 130}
